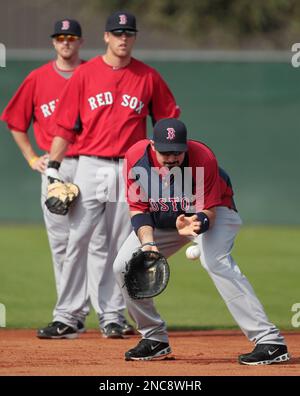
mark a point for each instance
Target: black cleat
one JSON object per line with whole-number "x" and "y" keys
{"x": 57, "y": 330}
{"x": 147, "y": 350}
{"x": 112, "y": 330}
{"x": 80, "y": 327}
{"x": 265, "y": 354}
{"x": 127, "y": 329}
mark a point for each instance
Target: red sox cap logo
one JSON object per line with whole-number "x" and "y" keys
{"x": 171, "y": 133}
{"x": 123, "y": 19}
{"x": 65, "y": 25}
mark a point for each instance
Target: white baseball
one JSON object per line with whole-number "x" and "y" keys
{"x": 192, "y": 252}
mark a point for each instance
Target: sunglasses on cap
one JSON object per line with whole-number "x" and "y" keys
{"x": 66, "y": 37}
{"x": 167, "y": 153}
{"x": 120, "y": 32}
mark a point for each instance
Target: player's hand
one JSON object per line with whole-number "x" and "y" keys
{"x": 40, "y": 164}
{"x": 188, "y": 226}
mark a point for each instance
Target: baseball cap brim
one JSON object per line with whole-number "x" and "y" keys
{"x": 165, "y": 147}
{"x": 123, "y": 28}
{"x": 65, "y": 34}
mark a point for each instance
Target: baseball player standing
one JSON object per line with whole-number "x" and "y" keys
{"x": 36, "y": 100}
{"x": 169, "y": 215}
{"x": 112, "y": 95}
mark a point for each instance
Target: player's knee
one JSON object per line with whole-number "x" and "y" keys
{"x": 218, "y": 264}
{"x": 81, "y": 235}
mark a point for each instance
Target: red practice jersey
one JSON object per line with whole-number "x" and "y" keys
{"x": 112, "y": 105}
{"x": 35, "y": 101}
{"x": 149, "y": 190}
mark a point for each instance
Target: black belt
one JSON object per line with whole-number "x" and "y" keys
{"x": 67, "y": 156}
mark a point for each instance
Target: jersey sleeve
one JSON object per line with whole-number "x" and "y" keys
{"x": 134, "y": 194}
{"x": 67, "y": 112}
{"x": 163, "y": 104}
{"x": 208, "y": 192}
{"x": 19, "y": 111}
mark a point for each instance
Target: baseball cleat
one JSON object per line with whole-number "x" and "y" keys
{"x": 112, "y": 330}
{"x": 80, "y": 327}
{"x": 265, "y": 354}
{"x": 57, "y": 330}
{"x": 127, "y": 329}
{"x": 148, "y": 350}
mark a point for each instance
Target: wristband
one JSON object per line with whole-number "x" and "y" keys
{"x": 149, "y": 243}
{"x": 204, "y": 222}
{"x": 54, "y": 164}
{"x": 141, "y": 219}
{"x": 33, "y": 160}
{"x": 53, "y": 175}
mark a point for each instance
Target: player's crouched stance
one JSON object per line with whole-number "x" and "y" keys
{"x": 163, "y": 222}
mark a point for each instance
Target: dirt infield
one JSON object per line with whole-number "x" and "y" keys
{"x": 197, "y": 353}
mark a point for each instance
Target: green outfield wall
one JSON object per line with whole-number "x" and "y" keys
{"x": 248, "y": 113}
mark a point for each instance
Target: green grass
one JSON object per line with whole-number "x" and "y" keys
{"x": 269, "y": 256}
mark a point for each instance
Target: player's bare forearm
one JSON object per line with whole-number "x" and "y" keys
{"x": 58, "y": 149}
{"x": 24, "y": 144}
{"x": 145, "y": 233}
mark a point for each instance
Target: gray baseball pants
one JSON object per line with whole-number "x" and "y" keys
{"x": 94, "y": 211}
{"x": 236, "y": 291}
{"x": 58, "y": 228}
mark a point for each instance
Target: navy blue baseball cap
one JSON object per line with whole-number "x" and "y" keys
{"x": 121, "y": 20}
{"x": 170, "y": 134}
{"x": 68, "y": 27}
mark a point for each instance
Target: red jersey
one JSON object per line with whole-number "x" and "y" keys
{"x": 35, "y": 100}
{"x": 152, "y": 189}
{"x": 112, "y": 105}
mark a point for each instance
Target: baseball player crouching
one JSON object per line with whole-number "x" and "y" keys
{"x": 166, "y": 215}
